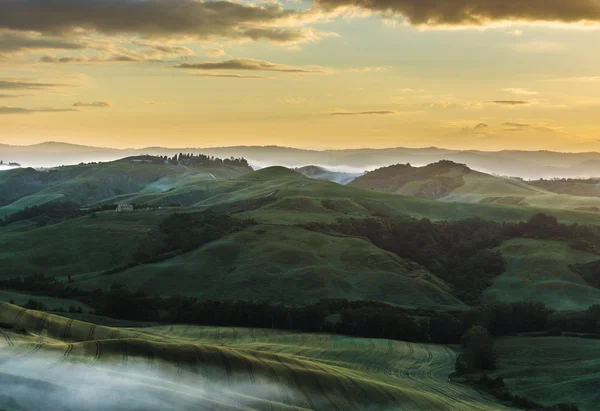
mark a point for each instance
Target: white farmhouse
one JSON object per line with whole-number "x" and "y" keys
{"x": 124, "y": 207}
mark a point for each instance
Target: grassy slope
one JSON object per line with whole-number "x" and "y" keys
{"x": 539, "y": 270}
{"x": 587, "y": 188}
{"x": 76, "y": 246}
{"x": 186, "y": 367}
{"x": 287, "y": 265}
{"x": 551, "y": 370}
{"x": 483, "y": 188}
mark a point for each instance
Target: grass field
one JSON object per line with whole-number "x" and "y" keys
{"x": 539, "y": 270}
{"x": 551, "y": 370}
{"x": 47, "y": 361}
{"x": 286, "y": 265}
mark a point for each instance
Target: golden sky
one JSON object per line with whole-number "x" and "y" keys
{"x": 491, "y": 74}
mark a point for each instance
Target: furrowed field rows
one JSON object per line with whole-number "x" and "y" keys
{"x": 223, "y": 368}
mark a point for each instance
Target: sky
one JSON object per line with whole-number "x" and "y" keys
{"x": 464, "y": 74}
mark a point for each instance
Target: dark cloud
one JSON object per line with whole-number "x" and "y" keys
{"x": 362, "y": 113}
{"x": 510, "y": 102}
{"x": 11, "y": 95}
{"x": 480, "y": 126}
{"x": 51, "y": 59}
{"x": 166, "y": 49}
{"x": 478, "y": 12}
{"x": 245, "y": 64}
{"x": 25, "y": 85}
{"x": 231, "y": 76}
{"x": 96, "y": 104}
{"x": 21, "y": 110}
{"x": 154, "y": 18}
{"x": 14, "y": 42}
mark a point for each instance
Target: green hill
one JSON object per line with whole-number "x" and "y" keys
{"x": 276, "y": 259}
{"x": 85, "y": 244}
{"x": 286, "y": 265}
{"x": 91, "y": 183}
{"x": 451, "y": 182}
{"x": 540, "y": 270}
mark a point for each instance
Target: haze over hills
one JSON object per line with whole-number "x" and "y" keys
{"x": 325, "y": 174}
{"x": 525, "y": 164}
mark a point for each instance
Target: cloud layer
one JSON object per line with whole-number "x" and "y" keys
{"x": 246, "y": 64}
{"x": 21, "y": 110}
{"x": 156, "y": 18}
{"x": 95, "y": 104}
{"x": 363, "y": 113}
{"x": 25, "y": 85}
{"x": 478, "y": 12}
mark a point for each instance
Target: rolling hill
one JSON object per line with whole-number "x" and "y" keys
{"x": 540, "y": 270}
{"x": 451, "y": 182}
{"x": 86, "y": 184}
{"x": 286, "y": 265}
{"x": 51, "y": 362}
{"x": 277, "y": 258}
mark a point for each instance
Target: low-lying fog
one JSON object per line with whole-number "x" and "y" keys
{"x": 34, "y": 384}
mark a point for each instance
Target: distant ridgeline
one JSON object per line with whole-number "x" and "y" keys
{"x": 191, "y": 160}
{"x": 10, "y": 164}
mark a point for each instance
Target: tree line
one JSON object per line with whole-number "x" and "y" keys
{"x": 204, "y": 160}
{"x": 357, "y": 318}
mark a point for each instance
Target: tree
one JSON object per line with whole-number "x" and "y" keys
{"x": 478, "y": 351}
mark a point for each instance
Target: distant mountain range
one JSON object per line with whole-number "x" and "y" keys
{"x": 525, "y": 164}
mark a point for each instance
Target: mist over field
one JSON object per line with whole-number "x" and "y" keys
{"x": 40, "y": 384}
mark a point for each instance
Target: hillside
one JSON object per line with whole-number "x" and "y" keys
{"x": 575, "y": 187}
{"x": 86, "y": 184}
{"x": 50, "y": 362}
{"x": 282, "y": 255}
{"x": 286, "y": 265}
{"x": 540, "y": 270}
{"x": 451, "y": 182}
